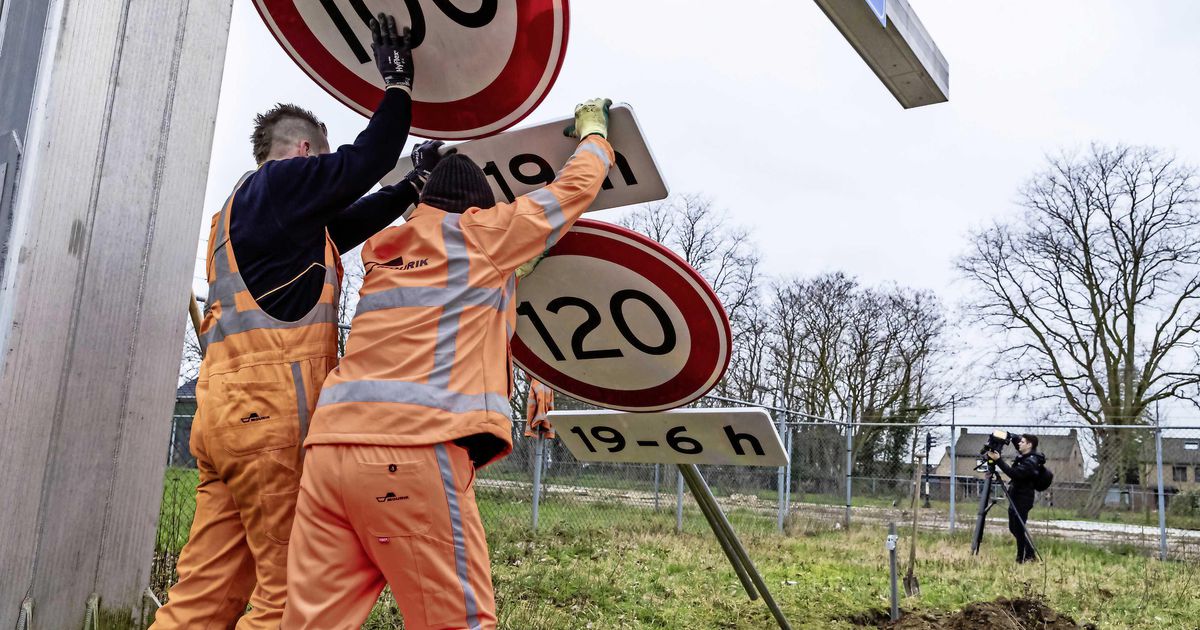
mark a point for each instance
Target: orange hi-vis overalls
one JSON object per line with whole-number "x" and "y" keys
{"x": 387, "y": 494}
{"x": 257, "y": 389}
{"x": 540, "y": 403}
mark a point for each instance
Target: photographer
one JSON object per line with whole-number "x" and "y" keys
{"x": 1023, "y": 472}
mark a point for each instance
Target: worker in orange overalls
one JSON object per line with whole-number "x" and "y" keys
{"x": 540, "y": 403}
{"x": 420, "y": 400}
{"x": 274, "y": 275}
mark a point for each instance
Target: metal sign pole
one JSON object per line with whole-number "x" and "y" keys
{"x": 721, "y": 527}
{"x": 707, "y": 509}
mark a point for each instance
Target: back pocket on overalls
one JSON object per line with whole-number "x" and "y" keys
{"x": 257, "y": 416}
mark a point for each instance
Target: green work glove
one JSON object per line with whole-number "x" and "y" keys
{"x": 591, "y": 117}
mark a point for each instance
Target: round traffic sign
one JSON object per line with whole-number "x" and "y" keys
{"x": 479, "y": 70}
{"x": 618, "y": 320}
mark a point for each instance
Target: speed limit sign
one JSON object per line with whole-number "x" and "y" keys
{"x": 618, "y": 320}
{"x": 481, "y": 66}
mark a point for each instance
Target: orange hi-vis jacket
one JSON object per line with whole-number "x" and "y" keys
{"x": 540, "y": 403}
{"x": 428, "y": 357}
{"x": 257, "y": 389}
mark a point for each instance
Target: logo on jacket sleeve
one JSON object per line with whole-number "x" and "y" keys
{"x": 254, "y": 417}
{"x": 398, "y": 263}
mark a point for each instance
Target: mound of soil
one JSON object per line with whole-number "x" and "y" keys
{"x": 1001, "y": 614}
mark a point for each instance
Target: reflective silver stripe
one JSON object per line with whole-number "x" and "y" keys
{"x": 553, "y": 210}
{"x": 458, "y": 271}
{"x": 405, "y": 392}
{"x": 456, "y": 527}
{"x": 510, "y": 291}
{"x": 594, "y": 150}
{"x": 232, "y": 321}
{"x": 301, "y": 403}
{"x": 432, "y": 297}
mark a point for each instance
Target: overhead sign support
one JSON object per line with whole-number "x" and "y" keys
{"x": 894, "y": 43}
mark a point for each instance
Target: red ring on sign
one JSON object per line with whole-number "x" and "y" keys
{"x": 672, "y": 278}
{"x": 515, "y": 83}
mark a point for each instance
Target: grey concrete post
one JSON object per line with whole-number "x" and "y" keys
{"x": 106, "y": 124}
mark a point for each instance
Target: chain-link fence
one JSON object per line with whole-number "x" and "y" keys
{"x": 1150, "y": 503}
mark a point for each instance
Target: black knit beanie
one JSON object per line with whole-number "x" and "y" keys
{"x": 457, "y": 184}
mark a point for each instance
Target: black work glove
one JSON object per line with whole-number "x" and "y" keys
{"x": 393, "y": 52}
{"x": 425, "y": 157}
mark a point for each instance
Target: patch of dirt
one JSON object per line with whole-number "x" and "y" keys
{"x": 1001, "y": 614}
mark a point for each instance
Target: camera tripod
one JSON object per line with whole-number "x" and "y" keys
{"x": 985, "y": 504}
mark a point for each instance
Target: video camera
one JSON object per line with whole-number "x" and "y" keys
{"x": 995, "y": 442}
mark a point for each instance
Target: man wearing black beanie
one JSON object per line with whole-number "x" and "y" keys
{"x": 420, "y": 400}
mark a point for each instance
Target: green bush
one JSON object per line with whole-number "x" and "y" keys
{"x": 1185, "y": 503}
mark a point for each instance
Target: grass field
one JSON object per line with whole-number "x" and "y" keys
{"x": 616, "y": 567}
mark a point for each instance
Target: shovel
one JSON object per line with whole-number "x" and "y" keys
{"x": 911, "y": 585}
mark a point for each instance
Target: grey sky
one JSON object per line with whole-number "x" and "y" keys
{"x": 767, "y": 109}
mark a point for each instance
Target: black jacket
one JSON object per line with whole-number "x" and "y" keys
{"x": 1023, "y": 472}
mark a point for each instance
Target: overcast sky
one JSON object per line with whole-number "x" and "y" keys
{"x": 766, "y": 108}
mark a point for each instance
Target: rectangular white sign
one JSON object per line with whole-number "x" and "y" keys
{"x": 727, "y": 437}
{"x": 521, "y": 161}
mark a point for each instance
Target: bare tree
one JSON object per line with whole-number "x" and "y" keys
{"x": 723, "y": 253}
{"x": 1093, "y": 291}
{"x": 189, "y": 362}
{"x": 851, "y": 353}
{"x": 352, "y": 279}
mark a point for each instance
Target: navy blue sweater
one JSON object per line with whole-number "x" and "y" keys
{"x": 281, "y": 212}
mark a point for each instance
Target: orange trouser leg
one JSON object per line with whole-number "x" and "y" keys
{"x": 216, "y": 570}
{"x": 331, "y": 581}
{"x": 412, "y": 514}
{"x": 265, "y": 486}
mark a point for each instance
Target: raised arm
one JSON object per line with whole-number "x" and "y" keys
{"x": 320, "y": 187}
{"x": 513, "y": 233}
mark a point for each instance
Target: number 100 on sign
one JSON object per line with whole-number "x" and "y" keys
{"x": 741, "y": 437}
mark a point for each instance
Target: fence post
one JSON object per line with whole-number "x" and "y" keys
{"x": 1162, "y": 499}
{"x": 953, "y": 466}
{"x": 781, "y": 482}
{"x": 787, "y": 501}
{"x": 678, "y": 502}
{"x": 538, "y": 445}
{"x": 656, "y": 468}
{"x": 849, "y": 467}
